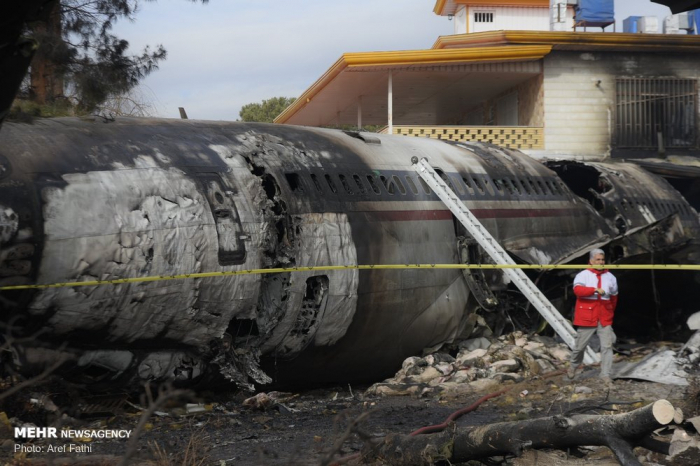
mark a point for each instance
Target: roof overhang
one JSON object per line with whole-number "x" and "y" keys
{"x": 584, "y": 41}
{"x": 427, "y": 84}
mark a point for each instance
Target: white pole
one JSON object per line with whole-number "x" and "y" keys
{"x": 359, "y": 113}
{"x": 390, "y": 104}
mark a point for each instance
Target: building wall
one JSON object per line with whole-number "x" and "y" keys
{"x": 506, "y": 17}
{"x": 531, "y": 102}
{"x": 579, "y": 95}
{"x": 510, "y": 18}
{"x": 530, "y": 106}
{"x": 460, "y": 20}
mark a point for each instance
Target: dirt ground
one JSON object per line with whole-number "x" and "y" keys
{"x": 303, "y": 428}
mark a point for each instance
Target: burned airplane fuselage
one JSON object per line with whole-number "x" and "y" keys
{"x": 93, "y": 200}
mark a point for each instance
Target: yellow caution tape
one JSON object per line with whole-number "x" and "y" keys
{"x": 156, "y": 278}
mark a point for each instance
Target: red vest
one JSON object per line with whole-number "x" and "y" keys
{"x": 591, "y": 308}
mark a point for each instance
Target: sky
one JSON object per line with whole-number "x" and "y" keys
{"x": 227, "y": 53}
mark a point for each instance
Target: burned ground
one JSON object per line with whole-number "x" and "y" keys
{"x": 304, "y": 427}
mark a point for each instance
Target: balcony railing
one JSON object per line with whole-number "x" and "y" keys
{"x": 512, "y": 137}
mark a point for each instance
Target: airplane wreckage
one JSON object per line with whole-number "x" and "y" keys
{"x": 90, "y": 199}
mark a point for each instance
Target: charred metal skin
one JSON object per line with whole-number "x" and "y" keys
{"x": 84, "y": 200}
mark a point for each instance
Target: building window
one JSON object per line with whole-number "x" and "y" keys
{"x": 651, "y": 112}
{"x": 483, "y": 17}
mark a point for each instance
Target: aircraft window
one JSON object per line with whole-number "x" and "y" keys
{"x": 455, "y": 182}
{"x": 344, "y": 181}
{"x": 515, "y": 187}
{"x": 426, "y": 188}
{"x": 331, "y": 184}
{"x": 398, "y": 183}
{"x": 294, "y": 181}
{"x": 557, "y": 187}
{"x": 487, "y": 185}
{"x": 314, "y": 178}
{"x": 358, "y": 182}
{"x": 411, "y": 185}
{"x": 478, "y": 184}
{"x": 373, "y": 184}
{"x": 388, "y": 184}
{"x": 554, "y": 187}
{"x": 445, "y": 178}
{"x": 525, "y": 187}
{"x": 533, "y": 186}
{"x": 506, "y": 187}
{"x": 468, "y": 184}
{"x": 499, "y": 185}
{"x": 542, "y": 188}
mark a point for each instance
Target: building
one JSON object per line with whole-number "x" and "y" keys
{"x": 569, "y": 93}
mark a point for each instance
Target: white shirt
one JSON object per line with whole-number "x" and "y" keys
{"x": 608, "y": 283}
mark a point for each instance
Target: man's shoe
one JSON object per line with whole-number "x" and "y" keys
{"x": 571, "y": 372}
{"x": 607, "y": 381}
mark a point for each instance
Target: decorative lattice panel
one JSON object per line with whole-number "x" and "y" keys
{"x": 513, "y": 137}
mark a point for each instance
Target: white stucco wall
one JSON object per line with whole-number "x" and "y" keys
{"x": 460, "y": 20}
{"x": 579, "y": 96}
{"x": 506, "y": 18}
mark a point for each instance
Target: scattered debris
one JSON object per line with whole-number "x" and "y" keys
{"x": 479, "y": 365}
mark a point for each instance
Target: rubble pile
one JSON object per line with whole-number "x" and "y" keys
{"x": 480, "y": 364}
{"x": 689, "y": 355}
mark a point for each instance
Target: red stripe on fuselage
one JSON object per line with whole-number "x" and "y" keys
{"x": 407, "y": 215}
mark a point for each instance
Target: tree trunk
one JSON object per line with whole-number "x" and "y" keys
{"x": 46, "y": 80}
{"x": 620, "y": 432}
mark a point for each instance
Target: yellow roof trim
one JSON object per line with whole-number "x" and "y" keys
{"x": 556, "y": 39}
{"x": 412, "y": 57}
{"x": 429, "y": 57}
{"x": 439, "y": 7}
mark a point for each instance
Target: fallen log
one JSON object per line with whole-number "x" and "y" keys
{"x": 619, "y": 432}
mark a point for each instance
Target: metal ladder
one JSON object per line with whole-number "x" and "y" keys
{"x": 500, "y": 256}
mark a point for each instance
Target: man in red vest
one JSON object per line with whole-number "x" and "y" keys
{"x": 596, "y": 299}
